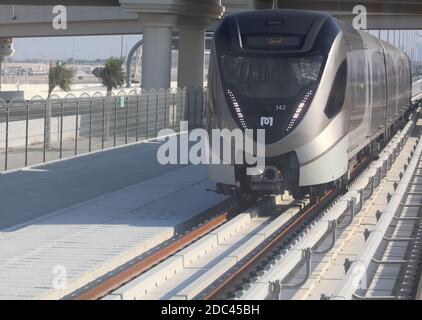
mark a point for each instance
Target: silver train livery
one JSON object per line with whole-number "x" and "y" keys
{"x": 326, "y": 94}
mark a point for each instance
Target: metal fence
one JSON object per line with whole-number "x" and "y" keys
{"x": 37, "y": 131}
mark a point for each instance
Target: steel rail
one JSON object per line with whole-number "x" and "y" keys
{"x": 266, "y": 249}
{"x": 123, "y": 276}
{"x": 300, "y": 218}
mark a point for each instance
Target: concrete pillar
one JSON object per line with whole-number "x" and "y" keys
{"x": 156, "y": 54}
{"x": 190, "y": 71}
{"x": 158, "y": 18}
{"x": 6, "y": 50}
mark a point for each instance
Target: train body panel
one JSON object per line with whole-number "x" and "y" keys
{"x": 331, "y": 92}
{"x": 377, "y": 86}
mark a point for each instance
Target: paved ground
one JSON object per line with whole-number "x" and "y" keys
{"x": 90, "y": 214}
{"x": 25, "y": 195}
{"x": 74, "y": 246}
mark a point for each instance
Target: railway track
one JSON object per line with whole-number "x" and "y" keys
{"x": 316, "y": 263}
{"x": 184, "y": 236}
{"x": 248, "y": 231}
{"x": 222, "y": 257}
{"x": 189, "y": 271}
{"x": 141, "y": 266}
{"x": 249, "y": 270}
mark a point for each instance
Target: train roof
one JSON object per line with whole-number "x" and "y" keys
{"x": 279, "y": 20}
{"x": 296, "y": 26}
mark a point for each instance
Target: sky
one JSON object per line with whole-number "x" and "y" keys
{"x": 61, "y": 48}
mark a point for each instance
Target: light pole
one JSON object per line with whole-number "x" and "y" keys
{"x": 394, "y": 37}
{"x": 1, "y": 72}
{"x": 121, "y": 48}
{"x": 73, "y": 54}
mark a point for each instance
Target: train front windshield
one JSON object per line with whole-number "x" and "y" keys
{"x": 273, "y": 77}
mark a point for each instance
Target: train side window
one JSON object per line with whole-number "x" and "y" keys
{"x": 338, "y": 92}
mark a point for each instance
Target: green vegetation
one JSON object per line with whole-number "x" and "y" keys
{"x": 112, "y": 75}
{"x": 60, "y": 76}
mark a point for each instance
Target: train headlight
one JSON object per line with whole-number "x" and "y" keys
{"x": 237, "y": 109}
{"x": 300, "y": 110}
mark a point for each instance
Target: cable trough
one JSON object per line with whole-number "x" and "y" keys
{"x": 403, "y": 212}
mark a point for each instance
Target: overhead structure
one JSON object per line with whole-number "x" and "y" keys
{"x": 92, "y": 17}
{"x": 6, "y": 50}
{"x": 102, "y": 3}
{"x": 37, "y": 21}
{"x": 381, "y": 14}
{"x": 134, "y": 58}
{"x": 159, "y": 19}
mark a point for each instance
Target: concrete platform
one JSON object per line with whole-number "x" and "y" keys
{"x": 30, "y": 193}
{"x": 63, "y": 227}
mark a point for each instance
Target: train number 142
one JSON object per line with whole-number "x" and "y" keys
{"x": 280, "y": 107}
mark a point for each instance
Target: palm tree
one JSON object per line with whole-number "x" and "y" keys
{"x": 112, "y": 75}
{"x": 58, "y": 76}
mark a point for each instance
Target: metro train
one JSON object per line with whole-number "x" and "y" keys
{"x": 334, "y": 95}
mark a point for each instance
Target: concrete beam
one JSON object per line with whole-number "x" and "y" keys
{"x": 103, "y": 3}
{"x": 373, "y": 6}
{"x": 36, "y": 21}
{"x": 208, "y": 9}
{"x": 386, "y": 21}
{"x": 381, "y": 14}
{"x": 238, "y": 5}
{"x": 82, "y": 28}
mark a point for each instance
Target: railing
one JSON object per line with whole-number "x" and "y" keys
{"x": 416, "y": 89}
{"x": 38, "y": 130}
